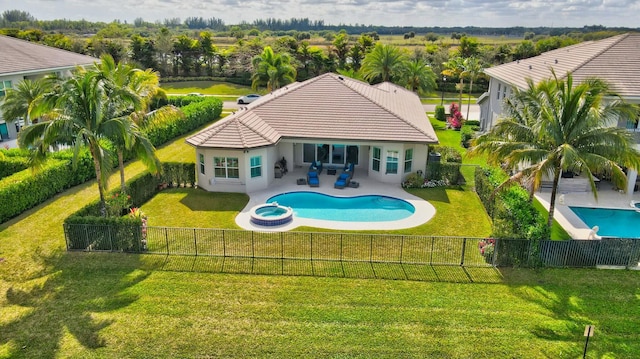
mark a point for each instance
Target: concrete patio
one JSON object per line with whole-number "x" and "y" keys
{"x": 424, "y": 211}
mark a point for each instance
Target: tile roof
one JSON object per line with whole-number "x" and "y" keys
{"x": 20, "y": 56}
{"x": 330, "y": 107}
{"x": 615, "y": 59}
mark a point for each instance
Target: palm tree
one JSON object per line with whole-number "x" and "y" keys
{"x": 455, "y": 68}
{"x": 272, "y": 69}
{"x": 554, "y": 127}
{"x": 83, "y": 115}
{"x": 134, "y": 89}
{"x": 383, "y": 63}
{"x": 24, "y": 101}
{"x": 472, "y": 68}
{"x": 418, "y": 76}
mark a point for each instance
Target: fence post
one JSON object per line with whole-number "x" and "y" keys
{"x": 224, "y": 244}
{"x": 464, "y": 247}
{"x": 341, "y": 256}
{"x": 282, "y": 252}
{"x": 311, "y": 252}
{"x": 110, "y": 237}
{"x": 166, "y": 238}
{"x": 401, "y": 248}
{"x": 195, "y": 241}
{"x": 86, "y": 237}
{"x": 66, "y": 235}
{"x": 253, "y": 252}
{"x": 495, "y": 252}
{"x": 431, "y": 253}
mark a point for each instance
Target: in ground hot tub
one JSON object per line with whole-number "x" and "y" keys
{"x": 271, "y": 214}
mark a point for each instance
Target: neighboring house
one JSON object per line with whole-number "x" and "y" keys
{"x": 21, "y": 60}
{"x": 382, "y": 129}
{"x": 615, "y": 60}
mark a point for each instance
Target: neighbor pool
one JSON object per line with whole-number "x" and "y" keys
{"x": 370, "y": 208}
{"x": 622, "y": 223}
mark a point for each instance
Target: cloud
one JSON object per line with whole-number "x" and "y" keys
{"x": 497, "y": 13}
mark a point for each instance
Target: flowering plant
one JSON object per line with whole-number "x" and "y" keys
{"x": 455, "y": 116}
{"x": 117, "y": 204}
{"x": 487, "y": 247}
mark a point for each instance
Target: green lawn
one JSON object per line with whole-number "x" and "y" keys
{"x": 55, "y": 304}
{"x": 207, "y": 88}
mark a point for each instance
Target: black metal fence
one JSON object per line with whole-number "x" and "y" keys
{"x": 280, "y": 247}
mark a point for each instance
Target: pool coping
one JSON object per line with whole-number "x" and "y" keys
{"x": 424, "y": 210}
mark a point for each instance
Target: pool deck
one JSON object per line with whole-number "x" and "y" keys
{"x": 424, "y": 211}
{"x": 607, "y": 198}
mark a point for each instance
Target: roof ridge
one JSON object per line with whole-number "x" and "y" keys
{"x": 394, "y": 113}
{"x": 588, "y": 60}
{"x": 260, "y": 133}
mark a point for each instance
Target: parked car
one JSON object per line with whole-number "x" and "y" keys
{"x": 195, "y": 94}
{"x": 248, "y": 99}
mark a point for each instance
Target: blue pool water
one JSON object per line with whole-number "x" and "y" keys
{"x": 370, "y": 208}
{"x": 623, "y": 223}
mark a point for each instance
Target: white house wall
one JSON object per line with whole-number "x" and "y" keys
{"x": 17, "y": 78}
{"x": 491, "y": 111}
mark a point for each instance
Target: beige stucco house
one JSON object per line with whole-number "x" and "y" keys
{"x": 20, "y": 60}
{"x": 382, "y": 129}
{"x": 615, "y": 59}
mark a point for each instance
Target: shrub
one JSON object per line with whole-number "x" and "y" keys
{"x": 104, "y": 233}
{"x": 466, "y": 134}
{"x": 472, "y": 123}
{"x": 11, "y": 165}
{"x": 199, "y": 111}
{"x": 439, "y": 114}
{"x": 513, "y": 214}
{"x": 448, "y": 154}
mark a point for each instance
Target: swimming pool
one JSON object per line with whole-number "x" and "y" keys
{"x": 623, "y": 223}
{"x": 369, "y": 208}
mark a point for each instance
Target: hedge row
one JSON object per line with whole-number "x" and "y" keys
{"x": 511, "y": 209}
{"x": 11, "y": 165}
{"x": 26, "y": 189}
{"x": 199, "y": 111}
{"x": 123, "y": 233}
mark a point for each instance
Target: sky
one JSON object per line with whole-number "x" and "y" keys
{"x": 445, "y": 13}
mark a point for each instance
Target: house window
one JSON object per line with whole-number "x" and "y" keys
{"x": 201, "y": 163}
{"x": 330, "y": 154}
{"x": 392, "y": 162}
{"x": 504, "y": 91}
{"x": 4, "y": 85}
{"x": 226, "y": 167}
{"x": 256, "y": 166}
{"x": 498, "y": 92}
{"x": 408, "y": 159}
{"x": 376, "y": 159}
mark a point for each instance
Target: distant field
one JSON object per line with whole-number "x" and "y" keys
{"x": 206, "y": 88}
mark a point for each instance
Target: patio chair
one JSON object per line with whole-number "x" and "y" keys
{"x": 312, "y": 179}
{"x": 348, "y": 169}
{"x": 316, "y": 166}
{"x": 342, "y": 181}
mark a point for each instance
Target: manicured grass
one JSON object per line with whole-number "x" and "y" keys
{"x": 194, "y": 208}
{"x": 115, "y": 305}
{"x": 79, "y": 305}
{"x": 207, "y": 88}
{"x": 557, "y": 232}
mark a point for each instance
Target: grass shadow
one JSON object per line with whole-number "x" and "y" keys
{"x": 65, "y": 299}
{"x": 200, "y": 200}
{"x": 605, "y": 298}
